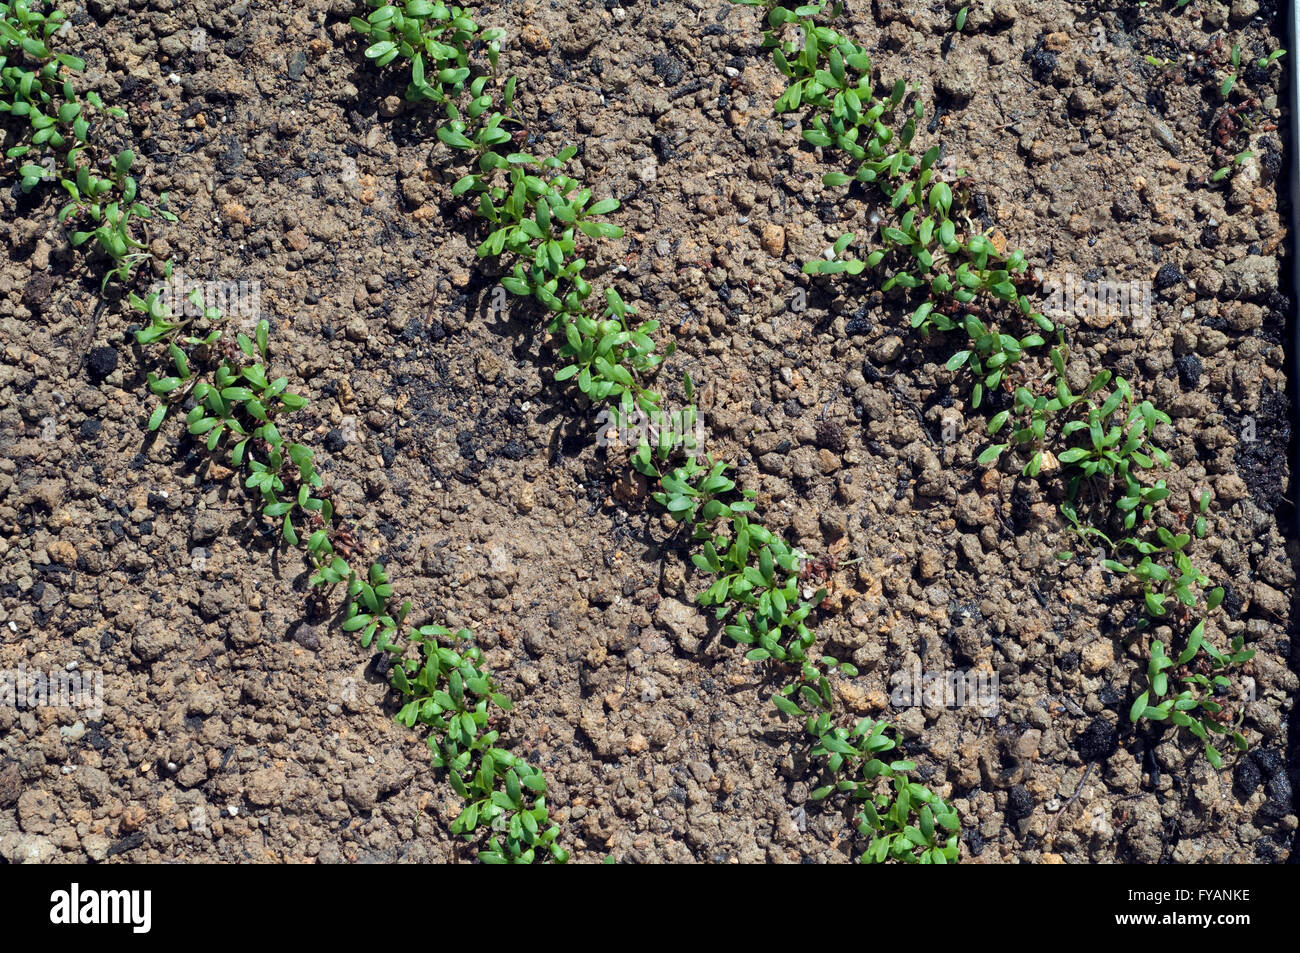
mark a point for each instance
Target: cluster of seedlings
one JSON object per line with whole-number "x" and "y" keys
{"x": 1238, "y": 115}
{"x": 540, "y": 219}
{"x": 36, "y": 88}
{"x": 1098, "y": 444}
{"x": 1230, "y": 78}
{"x": 220, "y": 380}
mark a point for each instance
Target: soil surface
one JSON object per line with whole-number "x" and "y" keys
{"x": 236, "y": 728}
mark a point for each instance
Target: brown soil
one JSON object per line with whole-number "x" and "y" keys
{"x": 237, "y": 729}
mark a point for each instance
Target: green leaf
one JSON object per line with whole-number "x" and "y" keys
{"x": 787, "y": 706}
{"x": 452, "y": 138}
{"x": 1139, "y": 707}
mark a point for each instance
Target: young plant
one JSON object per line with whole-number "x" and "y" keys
{"x": 434, "y": 37}
{"x": 238, "y": 407}
{"x": 451, "y": 695}
{"x": 1225, "y": 171}
{"x": 36, "y": 84}
{"x": 1230, "y": 80}
{"x": 900, "y": 819}
{"x": 542, "y": 219}
{"x": 959, "y": 282}
{"x": 234, "y": 405}
{"x": 1199, "y": 707}
{"x": 1113, "y": 442}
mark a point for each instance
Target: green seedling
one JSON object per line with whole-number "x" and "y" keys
{"x": 31, "y": 82}
{"x": 1029, "y": 417}
{"x": 540, "y": 220}
{"x": 1162, "y": 586}
{"x": 434, "y": 38}
{"x": 1114, "y": 441}
{"x": 1199, "y": 707}
{"x": 961, "y": 284}
{"x": 114, "y": 221}
{"x": 451, "y": 695}
{"x": 237, "y": 404}
{"x": 239, "y": 407}
{"x": 1236, "y": 117}
{"x": 900, "y": 819}
{"x": 236, "y": 407}
{"x": 1230, "y": 80}
{"x": 1226, "y": 171}
{"x": 927, "y": 247}
{"x": 36, "y": 83}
